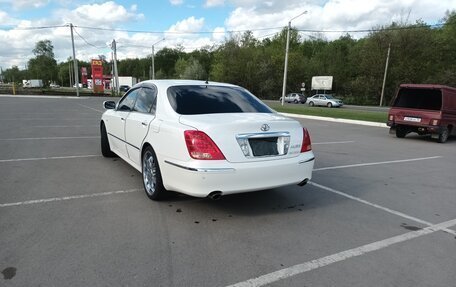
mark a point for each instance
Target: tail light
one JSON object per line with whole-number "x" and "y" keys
{"x": 391, "y": 117}
{"x": 435, "y": 122}
{"x": 306, "y": 143}
{"x": 200, "y": 146}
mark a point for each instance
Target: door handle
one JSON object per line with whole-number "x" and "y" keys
{"x": 144, "y": 124}
{"x": 122, "y": 119}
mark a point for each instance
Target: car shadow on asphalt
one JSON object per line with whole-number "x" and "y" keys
{"x": 272, "y": 201}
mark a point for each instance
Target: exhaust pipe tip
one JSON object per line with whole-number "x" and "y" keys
{"x": 215, "y": 195}
{"x": 304, "y": 182}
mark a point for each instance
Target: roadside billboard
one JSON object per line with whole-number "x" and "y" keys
{"x": 322, "y": 82}
{"x": 97, "y": 76}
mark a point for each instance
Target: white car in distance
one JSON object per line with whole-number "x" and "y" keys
{"x": 204, "y": 139}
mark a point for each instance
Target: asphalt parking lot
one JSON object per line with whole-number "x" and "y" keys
{"x": 379, "y": 211}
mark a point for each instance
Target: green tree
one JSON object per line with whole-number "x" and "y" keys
{"x": 43, "y": 66}
{"x": 190, "y": 69}
{"x": 13, "y": 74}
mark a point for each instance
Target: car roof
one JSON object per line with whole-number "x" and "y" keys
{"x": 165, "y": 84}
{"x": 426, "y": 86}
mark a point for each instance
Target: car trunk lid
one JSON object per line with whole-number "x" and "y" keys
{"x": 248, "y": 137}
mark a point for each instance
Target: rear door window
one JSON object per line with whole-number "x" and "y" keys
{"x": 424, "y": 99}
{"x": 196, "y": 100}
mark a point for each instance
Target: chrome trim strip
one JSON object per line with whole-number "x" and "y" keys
{"x": 124, "y": 141}
{"x": 262, "y": 135}
{"x": 208, "y": 170}
{"x": 304, "y": 161}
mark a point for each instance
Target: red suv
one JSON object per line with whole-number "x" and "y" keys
{"x": 424, "y": 109}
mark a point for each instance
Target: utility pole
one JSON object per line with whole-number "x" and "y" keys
{"x": 116, "y": 73}
{"x": 384, "y": 75}
{"x": 75, "y": 63}
{"x": 285, "y": 69}
{"x": 153, "y": 63}
{"x": 153, "y": 56}
{"x": 70, "y": 75}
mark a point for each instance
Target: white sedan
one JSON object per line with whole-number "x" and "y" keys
{"x": 204, "y": 139}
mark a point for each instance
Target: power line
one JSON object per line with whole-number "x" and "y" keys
{"x": 177, "y": 32}
{"x": 38, "y": 27}
{"x": 235, "y": 31}
{"x": 90, "y": 44}
{"x": 371, "y": 30}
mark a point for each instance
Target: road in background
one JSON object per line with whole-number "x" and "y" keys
{"x": 350, "y": 107}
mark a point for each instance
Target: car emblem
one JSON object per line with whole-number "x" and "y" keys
{"x": 265, "y": 127}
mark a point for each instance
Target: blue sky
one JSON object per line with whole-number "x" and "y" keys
{"x": 207, "y": 20}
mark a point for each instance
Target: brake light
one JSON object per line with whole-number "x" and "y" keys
{"x": 306, "y": 143}
{"x": 435, "y": 122}
{"x": 200, "y": 146}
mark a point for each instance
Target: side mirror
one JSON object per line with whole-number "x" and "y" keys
{"x": 109, "y": 105}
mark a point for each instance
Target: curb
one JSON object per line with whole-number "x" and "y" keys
{"x": 337, "y": 120}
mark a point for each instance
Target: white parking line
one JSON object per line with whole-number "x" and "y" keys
{"x": 42, "y": 97}
{"x": 74, "y": 126}
{"x": 337, "y": 120}
{"x": 49, "y": 138}
{"x": 403, "y": 215}
{"x": 376, "y": 163}
{"x": 50, "y": 119}
{"x": 44, "y": 158}
{"x": 91, "y": 108}
{"x": 342, "y": 142}
{"x": 341, "y": 256}
{"x": 46, "y": 200}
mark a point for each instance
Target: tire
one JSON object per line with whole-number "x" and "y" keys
{"x": 311, "y": 104}
{"x": 401, "y": 132}
{"x": 105, "y": 148}
{"x": 152, "y": 179}
{"x": 329, "y": 105}
{"x": 443, "y": 135}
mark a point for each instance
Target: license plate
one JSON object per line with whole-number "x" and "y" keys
{"x": 264, "y": 146}
{"x": 412, "y": 119}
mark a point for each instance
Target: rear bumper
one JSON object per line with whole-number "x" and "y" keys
{"x": 196, "y": 180}
{"x": 426, "y": 129}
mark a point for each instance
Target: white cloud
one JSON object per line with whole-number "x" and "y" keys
{"x": 6, "y": 20}
{"x": 218, "y": 34}
{"x": 107, "y": 14}
{"x": 17, "y": 44}
{"x": 176, "y": 2}
{"x": 332, "y": 14}
{"x": 26, "y": 4}
{"x": 190, "y": 24}
{"x": 214, "y": 3}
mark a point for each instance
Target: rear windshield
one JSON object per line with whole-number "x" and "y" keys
{"x": 196, "y": 100}
{"x": 424, "y": 99}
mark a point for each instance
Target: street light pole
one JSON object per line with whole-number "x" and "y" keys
{"x": 153, "y": 60}
{"x": 285, "y": 69}
{"x": 75, "y": 63}
{"x": 384, "y": 75}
